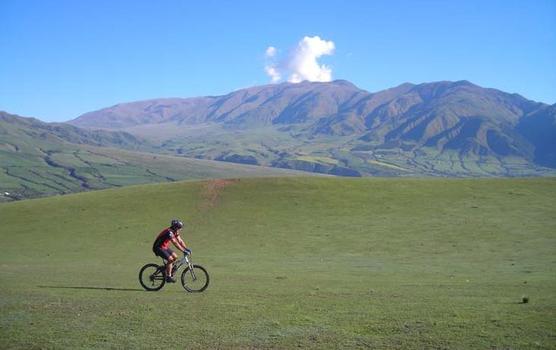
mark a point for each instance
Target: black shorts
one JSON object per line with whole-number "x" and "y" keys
{"x": 164, "y": 253}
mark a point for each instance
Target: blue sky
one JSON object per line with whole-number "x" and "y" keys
{"x": 59, "y": 59}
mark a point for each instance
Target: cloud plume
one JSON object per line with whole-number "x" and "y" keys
{"x": 301, "y": 63}
{"x": 270, "y": 51}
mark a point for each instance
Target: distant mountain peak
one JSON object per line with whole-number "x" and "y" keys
{"x": 464, "y": 83}
{"x": 342, "y": 82}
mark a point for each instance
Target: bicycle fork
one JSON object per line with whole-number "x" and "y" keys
{"x": 193, "y": 277}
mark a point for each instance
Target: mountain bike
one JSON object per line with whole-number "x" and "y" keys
{"x": 194, "y": 278}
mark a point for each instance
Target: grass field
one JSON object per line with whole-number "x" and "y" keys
{"x": 75, "y": 168}
{"x": 294, "y": 262}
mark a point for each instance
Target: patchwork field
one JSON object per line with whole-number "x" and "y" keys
{"x": 294, "y": 263}
{"x": 39, "y": 159}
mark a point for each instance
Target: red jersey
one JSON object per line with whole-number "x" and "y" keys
{"x": 164, "y": 238}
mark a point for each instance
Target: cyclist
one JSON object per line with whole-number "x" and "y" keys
{"x": 162, "y": 242}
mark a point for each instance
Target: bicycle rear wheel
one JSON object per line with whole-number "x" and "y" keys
{"x": 196, "y": 280}
{"x": 152, "y": 277}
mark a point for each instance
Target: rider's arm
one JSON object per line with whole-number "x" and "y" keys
{"x": 179, "y": 243}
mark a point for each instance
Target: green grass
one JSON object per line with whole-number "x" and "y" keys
{"x": 26, "y": 175}
{"x": 314, "y": 159}
{"x": 294, "y": 263}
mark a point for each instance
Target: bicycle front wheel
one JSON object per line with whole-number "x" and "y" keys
{"x": 195, "y": 280}
{"x": 152, "y": 277}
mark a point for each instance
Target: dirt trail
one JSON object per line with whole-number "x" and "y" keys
{"x": 211, "y": 192}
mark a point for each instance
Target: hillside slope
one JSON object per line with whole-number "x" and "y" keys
{"x": 440, "y": 128}
{"x": 539, "y": 127}
{"x": 307, "y": 263}
{"x": 38, "y": 159}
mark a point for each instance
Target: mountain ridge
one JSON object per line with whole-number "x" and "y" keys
{"x": 155, "y": 108}
{"x": 439, "y": 119}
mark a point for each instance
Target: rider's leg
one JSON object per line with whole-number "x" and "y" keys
{"x": 169, "y": 264}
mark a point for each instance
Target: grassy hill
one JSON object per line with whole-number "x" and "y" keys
{"x": 295, "y": 263}
{"x": 38, "y": 159}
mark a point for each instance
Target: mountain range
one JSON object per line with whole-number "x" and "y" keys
{"x": 431, "y": 129}
{"x": 440, "y": 128}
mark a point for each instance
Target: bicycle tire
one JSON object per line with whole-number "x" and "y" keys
{"x": 147, "y": 277}
{"x": 202, "y": 276}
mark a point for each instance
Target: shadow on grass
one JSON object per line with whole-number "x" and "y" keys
{"x": 96, "y": 288}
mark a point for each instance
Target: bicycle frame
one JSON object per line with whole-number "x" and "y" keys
{"x": 184, "y": 261}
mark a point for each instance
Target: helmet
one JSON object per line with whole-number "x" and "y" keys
{"x": 176, "y": 224}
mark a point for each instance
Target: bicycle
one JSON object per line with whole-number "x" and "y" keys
{"x": 194, "y": 278}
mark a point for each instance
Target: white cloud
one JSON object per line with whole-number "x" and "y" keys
{"x": 302, "y": 62}
{"x": 273, "y": 73}
{"x": 270, "y": 51}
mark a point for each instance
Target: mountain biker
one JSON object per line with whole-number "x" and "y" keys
{"x": 162, "y": 242}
